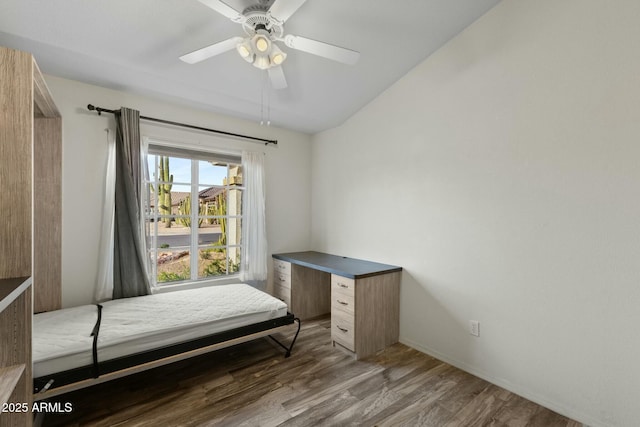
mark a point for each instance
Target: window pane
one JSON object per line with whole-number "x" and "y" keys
{"x": 170, "y": 169}
{"x": 173, "y": 266}
{"x": 171, "y": 178}
{"x": 210, "y": 235}
{"x": 151, "y": 165}
{"x": 169, "y": 210}
{"x": 215, "y": 262}
{"x": 178, "y": 170}
{"x": 212, "y": 199}
{"x": 174, "y": 237}
{"x": 212, "y": 173}
{"x": 214, "y": 207}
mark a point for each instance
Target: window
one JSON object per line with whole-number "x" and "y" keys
{"x": 193, "y": 215}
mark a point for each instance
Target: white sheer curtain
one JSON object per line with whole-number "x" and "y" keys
{"x": 104, "y": 281}
{"x": 145, "y": 207}
{"x": 253, "y": 260}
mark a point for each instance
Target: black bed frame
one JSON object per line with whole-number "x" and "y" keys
{"x": 97, "y": 369}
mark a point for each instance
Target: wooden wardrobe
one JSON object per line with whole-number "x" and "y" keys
{"x": 30, "y": 222}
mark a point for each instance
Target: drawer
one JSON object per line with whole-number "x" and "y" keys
{"x": 284, "y": 294}
{"x": 280, "y": 266}
{"x": 343, "y": 285}
{"x": 342, "y": 329}
{"x": 281, "y": 279}
{"x": 342, "y": 301}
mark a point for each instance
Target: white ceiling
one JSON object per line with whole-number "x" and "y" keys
{"x": 134, "y": 45}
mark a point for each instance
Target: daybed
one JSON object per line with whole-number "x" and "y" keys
{"x": 81, "y": 346}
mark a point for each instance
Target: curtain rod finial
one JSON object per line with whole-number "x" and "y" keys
{"x": 91, "y": 107}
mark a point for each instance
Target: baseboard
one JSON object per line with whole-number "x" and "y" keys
{"x": 586, "y": 421}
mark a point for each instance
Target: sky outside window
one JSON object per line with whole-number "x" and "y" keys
{"x": 181, "y": 170}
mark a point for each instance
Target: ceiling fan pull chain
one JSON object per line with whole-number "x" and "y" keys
{"x": 261, "y": 104}
{"x": 262, "y": 100}
{"x": 267, "y": 87}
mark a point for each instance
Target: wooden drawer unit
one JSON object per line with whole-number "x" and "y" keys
{"x": 343, "y": 303}
{"x": 343, "y": 284}
{"x": 282, "y": 267}
{"x": 342, "y": 294}
{"x": 283, "y": 293}
{"x": 305, "y": 291}
{"x": 365, "y": 312}
{"x": 282, "y": 273}
{"x": 281, "y": 279}
{"x": 363, "y": 297}
{"x": 343, "y": 328}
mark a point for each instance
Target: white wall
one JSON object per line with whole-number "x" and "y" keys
{"x": 84, "y": 159}
{"x": 502, "y": 174}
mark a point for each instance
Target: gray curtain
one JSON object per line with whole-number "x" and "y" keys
{"x": 129, "y": 273}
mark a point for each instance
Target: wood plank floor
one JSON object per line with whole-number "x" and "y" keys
{"x": 252, "y": 384}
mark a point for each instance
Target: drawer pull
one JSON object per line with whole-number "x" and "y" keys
{"x": 342, "y": 285}
{"x": 342, "y": 329}
{"x": 342, "y": 302}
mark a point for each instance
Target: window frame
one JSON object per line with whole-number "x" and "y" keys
{"x": 151, "y": 216}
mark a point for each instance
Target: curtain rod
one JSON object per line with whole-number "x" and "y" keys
{"x": 101, "y": 110}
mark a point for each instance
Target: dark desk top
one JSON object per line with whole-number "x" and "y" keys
{"x": 342, "y": 266}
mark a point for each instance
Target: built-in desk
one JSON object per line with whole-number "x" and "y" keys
{"x": 363, "y": 297}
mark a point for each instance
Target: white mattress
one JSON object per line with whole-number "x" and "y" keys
{"x": 62, "y": 339}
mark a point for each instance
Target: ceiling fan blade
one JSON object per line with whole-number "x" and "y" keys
{"x": 209, "y": 51}
{"x": 283, "y": 9}
{"x": 326, "y": 50}
{"x": 224, "y": 9}
{"x": 276, "y": 75}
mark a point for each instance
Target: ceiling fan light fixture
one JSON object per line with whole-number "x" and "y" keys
{"x": 277, "y": 56}
{"x": 262, "y": 62}
{"x": 261, "y": 43}
{"x": 244, "y": 50}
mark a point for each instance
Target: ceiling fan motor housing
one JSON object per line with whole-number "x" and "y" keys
{"x": 257, "y": 17}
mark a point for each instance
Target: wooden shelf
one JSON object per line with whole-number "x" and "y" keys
{"x": 33, "y": 138}
{"x": 9, "y": 378}
{"x": 12, "y": 288}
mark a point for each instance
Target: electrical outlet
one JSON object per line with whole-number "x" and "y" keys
{"x": 474, "y": 328}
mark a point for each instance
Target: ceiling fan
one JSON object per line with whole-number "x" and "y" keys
{"x": 264, "y": 26}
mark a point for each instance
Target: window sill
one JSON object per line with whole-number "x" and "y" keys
{"x": 226, "y": 280}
